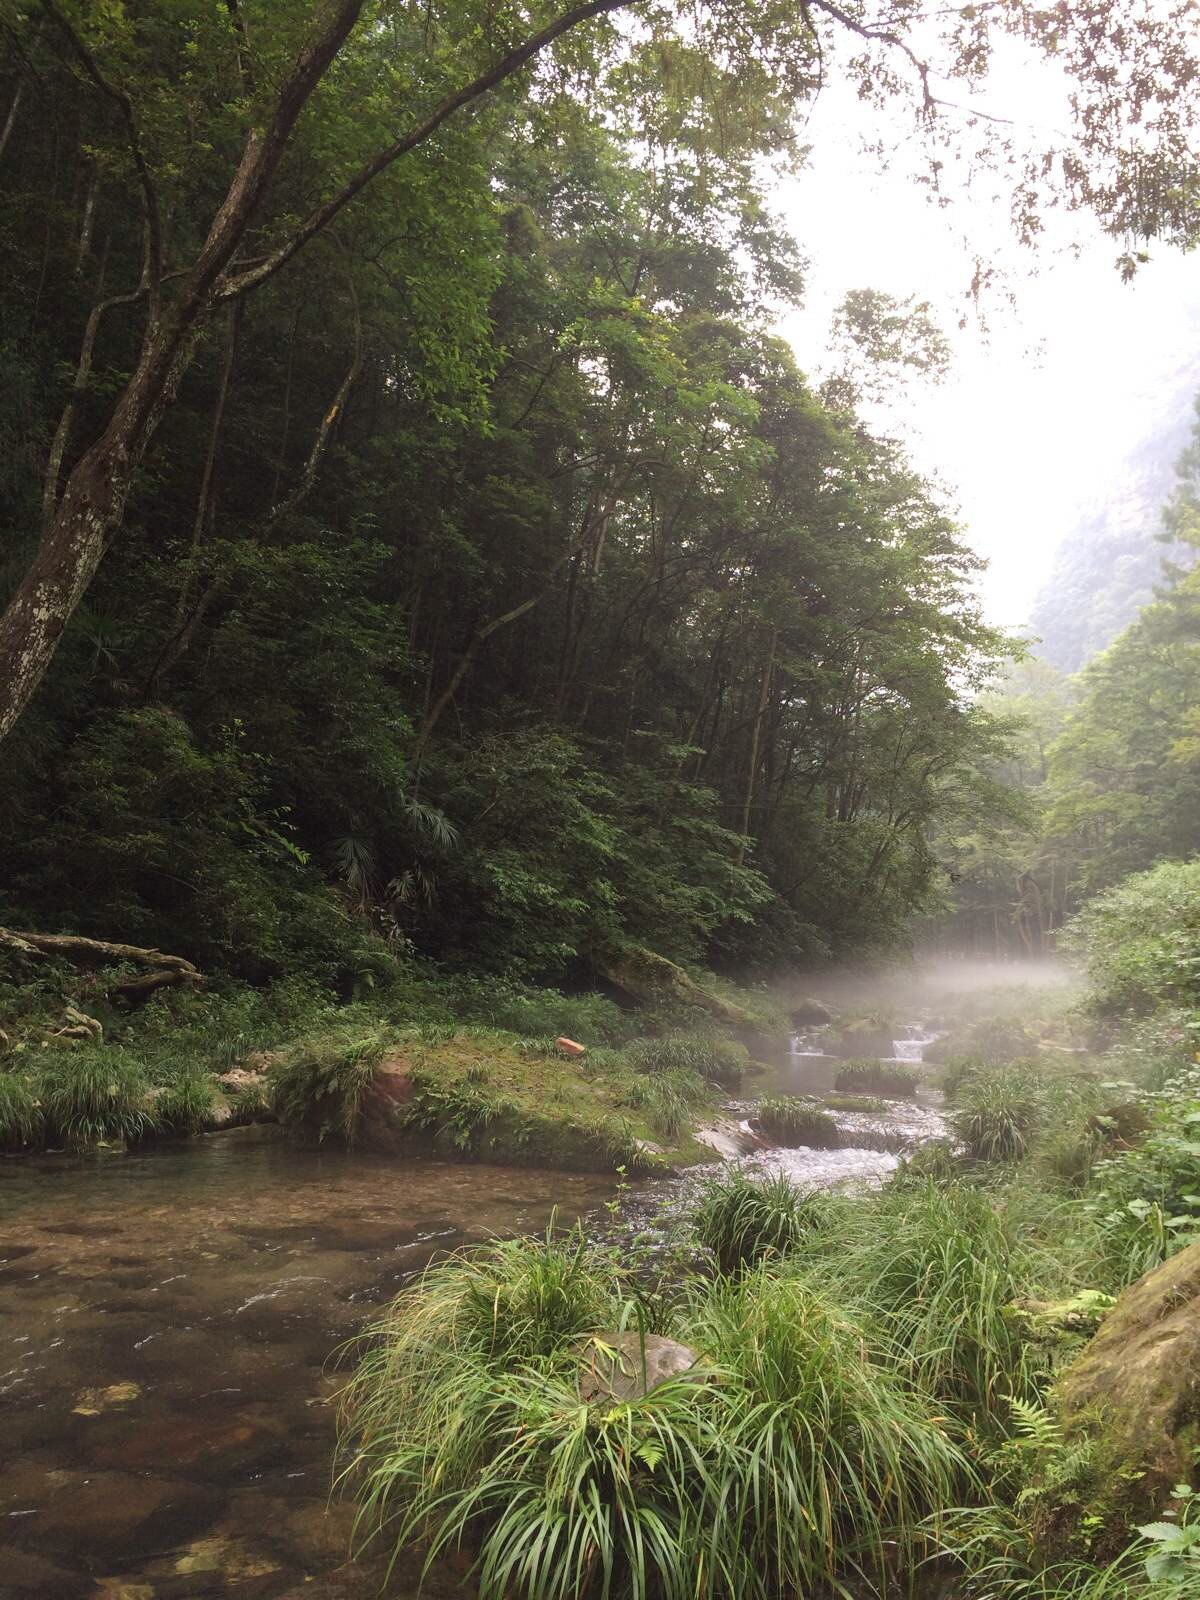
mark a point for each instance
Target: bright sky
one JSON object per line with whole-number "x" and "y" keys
{"x": 1039, "y": 414}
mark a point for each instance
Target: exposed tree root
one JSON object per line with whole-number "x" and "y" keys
{"x": 165, "y": 970}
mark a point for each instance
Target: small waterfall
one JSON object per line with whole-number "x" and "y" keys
{"x": 805, "y": 1044}
{"x": 908, "y": 1049}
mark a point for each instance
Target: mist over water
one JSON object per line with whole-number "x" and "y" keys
{"x": 924, "y": 985}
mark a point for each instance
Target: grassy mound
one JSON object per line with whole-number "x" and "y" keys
{"x": 788, "y": 1120}
{"x": 877, "y": 1077}
{"x": 479, "y": 1094}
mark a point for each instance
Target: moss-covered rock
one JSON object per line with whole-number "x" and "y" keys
{"x": 645, "y": 976}
{"x": 809, "y": 1013}
{"x": 862, "y": 1038}
{"x": 1136, "y": 1386}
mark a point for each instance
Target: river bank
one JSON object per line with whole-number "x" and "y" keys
{"x": 170, "y": 1319}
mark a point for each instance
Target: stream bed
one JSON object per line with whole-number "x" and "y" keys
{"x": 169, "y": 1329}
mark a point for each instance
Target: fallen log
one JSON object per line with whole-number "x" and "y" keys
{"x": 164, "y": 970}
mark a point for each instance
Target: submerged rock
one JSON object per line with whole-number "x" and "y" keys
{"x": 1136, "y": 1386}
{"x": 625, "y": 1366}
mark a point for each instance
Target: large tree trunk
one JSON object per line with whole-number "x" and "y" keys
{"x": 93, "y": 503}
{"x": 74, "y": 538}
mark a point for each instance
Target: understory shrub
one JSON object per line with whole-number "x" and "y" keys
{"x": 791, "y": 1121}
{"x": 593, "y": 1019}
{"x": 1140, "y": 941}
{"x": 878, "y": 1077}
{"x": 743, "y": 1219}
{"x": 1146, "y": 1200}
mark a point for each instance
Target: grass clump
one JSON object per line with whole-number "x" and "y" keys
{"x": 744, "y": 1219}
{"x": 668, "y": 1099}
{"x": 998, "y": 1112}
{"x": 20, "y": 1111}
{"x": 320, "y": 1084}
{"x": 878, "y": 1077}
{"x": 788, "y": 1120}
{"x": 716, "y": 1059}
{"x": 95, "y": 1095}
{"x": 186, "y": 1105}
{"x": 780, "y": 1461}
{"x": 936, "y": 1272}
{"x": 830, "y": 1464}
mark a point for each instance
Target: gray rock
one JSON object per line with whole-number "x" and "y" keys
{"x": 623, "y": 1366}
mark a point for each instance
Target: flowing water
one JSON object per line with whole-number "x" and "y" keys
{"x": 168, "y": 1319}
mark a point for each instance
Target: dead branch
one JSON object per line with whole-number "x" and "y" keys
{"x": 165, "y": 969}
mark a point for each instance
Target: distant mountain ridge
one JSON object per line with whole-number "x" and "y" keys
{"x": 1108, "y": 563}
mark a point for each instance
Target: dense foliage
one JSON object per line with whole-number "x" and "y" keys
{"x": 496, "y": 584}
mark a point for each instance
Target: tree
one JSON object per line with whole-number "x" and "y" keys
{"x": 238, "y": 92}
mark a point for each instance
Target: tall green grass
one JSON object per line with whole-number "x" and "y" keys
{"x": 829, "y": 1464}
{"x": 744, "y": 1219}
{"x": 936, "y": 1272}
{"x": 782, "y": 1462}
{"x": 95, "y": 1095}
{"x": 998, "y": 1111}
{"x": 321, "y": 1083}
{"x": 20, "y": 1111}
{"x": 669, "y": 1098}
{"x": 186, "y": 1105}
{"x": 719, "y": 1060}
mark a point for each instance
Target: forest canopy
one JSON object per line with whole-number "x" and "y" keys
{"x": 412, "y": 528}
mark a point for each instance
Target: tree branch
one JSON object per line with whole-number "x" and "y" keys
{"x": 252, "y": 277}
{"x": 125, "y": 106}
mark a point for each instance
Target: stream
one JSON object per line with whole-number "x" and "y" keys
{"x": 169, "y": 1323}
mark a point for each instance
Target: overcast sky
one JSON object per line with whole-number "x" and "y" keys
{"x": 1039, "y": 414}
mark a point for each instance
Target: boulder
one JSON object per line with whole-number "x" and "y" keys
{"x": 1136, "y": 1386}
{"x": 645, "y": 975}
{"x": 729, "y": 1139}
{"x": 810, "y": 1014}
{"x": 385, "y": 1103}
{"x": 569, "y": 1047}
{"x": 625, "y": 1366}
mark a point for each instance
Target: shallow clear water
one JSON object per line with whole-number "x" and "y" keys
{"x": 166, "y": 1326}
{"x": 169, "y": 1323}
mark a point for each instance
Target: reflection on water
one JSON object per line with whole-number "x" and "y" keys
{"x": 166, "y": 1323}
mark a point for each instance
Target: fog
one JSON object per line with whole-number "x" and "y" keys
{"x": 926, "y": 985}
